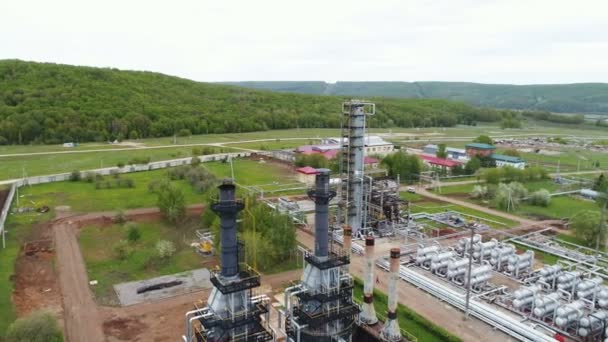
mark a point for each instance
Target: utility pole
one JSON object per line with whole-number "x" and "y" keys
{"x": 470, "y": 250}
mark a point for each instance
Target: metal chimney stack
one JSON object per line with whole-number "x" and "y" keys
{"x": 321, "y": 195}
{"x": 391, "y": 331}
{"x": 368, "y": 312}
{"x": 227, "y": 208}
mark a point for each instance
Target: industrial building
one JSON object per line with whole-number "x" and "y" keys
{"x": 504, "y": 160}
{"x": 453, "y": 153}
{"x": 373, "y": 145}
{"x": 479, "y": 150}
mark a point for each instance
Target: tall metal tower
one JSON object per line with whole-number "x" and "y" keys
{"x": 320, "y": 308}
{"x": 232, "y": 313}
{"x": 354, "y": 113}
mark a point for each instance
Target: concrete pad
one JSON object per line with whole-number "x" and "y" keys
{"x": 191, "y": 281}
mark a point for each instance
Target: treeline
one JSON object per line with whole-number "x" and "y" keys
{"x": 52, "y": 103}
{"x": 557, "y": 118}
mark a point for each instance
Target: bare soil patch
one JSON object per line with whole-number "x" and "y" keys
{"x": 36, "y": 280}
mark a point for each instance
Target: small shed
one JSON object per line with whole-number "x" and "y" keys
{"x": 306, "y": 174}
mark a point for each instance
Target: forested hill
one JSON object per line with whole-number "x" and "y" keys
{"x": 561, "y": 98}
{"x": 52, "y": 103}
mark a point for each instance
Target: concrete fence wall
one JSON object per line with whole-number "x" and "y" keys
{"x": 5, "y": 210}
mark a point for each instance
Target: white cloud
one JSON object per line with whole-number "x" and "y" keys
{"x": 493, "y": 41}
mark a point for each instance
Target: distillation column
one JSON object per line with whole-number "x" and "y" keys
{"x": 353, "y": 151}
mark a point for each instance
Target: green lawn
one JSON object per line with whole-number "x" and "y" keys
{"x": 559, "y": 208}
{"x": 143, "y": 263}
{"x": 83, "y": 197}
{"x": 274, "y": 144}
{"x": 423, "y": 329}
{"x": 437, "y": 207}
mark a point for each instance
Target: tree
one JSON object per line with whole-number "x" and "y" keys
{"x": 540, "y": 198}
{"x": 171, "y": 202}
{"x": 479, "y": 192}
{"x": 509, "y": 195}
{"x": 75, "y": 176}
{"x": 406, "y": 166}
{"x": 40, "y": 326}
{"x": 483, "y": 139}
{"x": 441, "y": 151}
{"x": 601, "y": 183}
{"x": 585, "y": 225}
{"x": 472, "y": 166}
{"x": 492, "y": 176}
{"x": 133, "y": 233}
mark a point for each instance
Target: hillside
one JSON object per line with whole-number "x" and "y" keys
{"x": 52, "y": 103}
{"x": 561, "y": 98}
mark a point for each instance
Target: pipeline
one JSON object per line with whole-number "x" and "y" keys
{"x": 482, "y": 311}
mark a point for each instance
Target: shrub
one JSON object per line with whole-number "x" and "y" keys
{"x": 121, "y": 249}
{"x": 120, "y": 165}
{"x": 120, "y": 217}
{"x": 75, "y": 176}
{"x": 197, "y": 151}
{"x": 195, "y": 161}
{"x": 540, "y": 198}
{"x": 509, "y": 195}
{"x": 40, "y": 326}
{"x": 133, "y": 233}
{"x": 585, "y": 225}
{"x": 89, "y": 177}
{"x": 165, "y": 249}
{"x": 479, "y": 192}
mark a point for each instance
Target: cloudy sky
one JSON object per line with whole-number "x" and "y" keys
{"x": 489, "y": 41}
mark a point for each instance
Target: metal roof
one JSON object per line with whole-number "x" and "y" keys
{"x": 505, "y": 158}
{"x": 480, "y": 146}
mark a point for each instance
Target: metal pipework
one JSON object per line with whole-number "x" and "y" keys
{"x": 347, "y": 240}
{"x": 546, "y": 304}
{"x": 391, "y": 331}
{"x": 321, "y": 195}
{"x": 368, "y": 312}
{"x": 592, "y": 322}
{"x": 227, "y": 208}
{"x": 569, "y": 313}
{"x": 525, "y": 296}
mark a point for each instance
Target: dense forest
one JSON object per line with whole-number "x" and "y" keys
{"x": 559, "y": 98}
{"x": 52, "y": 103}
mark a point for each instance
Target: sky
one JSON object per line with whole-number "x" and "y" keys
{"x": 487, "y": 41}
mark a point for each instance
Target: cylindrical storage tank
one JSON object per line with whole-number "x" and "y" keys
{"x": 589, "y": 284}
{"x": 569, "y": 309}
{"x": 481, "y": 270}
{"x": 518, "y": 266}
{"x": 454, "y": 264}
{"x": 526, "y": 301}
{"x": 550, "y": 270}
{"x": 486, "y": 245}
{"x": 526, "y": 291}
{"x": 547, "y": 304}
{"x": 427, "y": 250}
{"x": 568, "y": 277}
{"x": 442, "y": 256}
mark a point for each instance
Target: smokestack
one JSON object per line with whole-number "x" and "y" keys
{"x": 321, "y": 195}
{"x": 391, "y": 331}
{"x": 227, "y": 208}
{"x": 368, "y": 312}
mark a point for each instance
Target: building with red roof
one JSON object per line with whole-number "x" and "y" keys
{"x": 446, "y": 164}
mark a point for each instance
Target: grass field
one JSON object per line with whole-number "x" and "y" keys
{"x": 83, "y": 197}
{"x": 421, "y": 205}
{"x": 56, "y": 163}
{"x": 142, "y": 263}
{"x": 559, "y": 208}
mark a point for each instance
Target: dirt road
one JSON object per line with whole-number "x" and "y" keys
{"x": 426, "y": 305}
{"x": 82, "y": 320}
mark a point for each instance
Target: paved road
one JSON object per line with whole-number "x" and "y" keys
{"x": 222, "y": 144}
{"x": 426, "y": 305}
